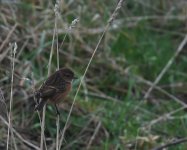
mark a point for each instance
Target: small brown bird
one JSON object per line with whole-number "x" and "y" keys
{"x": 55, "y": 88}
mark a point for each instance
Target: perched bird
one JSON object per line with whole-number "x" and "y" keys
{"x": 55, "y": 88}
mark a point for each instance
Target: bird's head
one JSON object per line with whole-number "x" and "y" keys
{"x": 67, "y": 74}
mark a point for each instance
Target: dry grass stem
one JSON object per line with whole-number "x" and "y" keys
{"x": 8, "y": 37}
{"x": 94, "y": 135}
{"x": 87, "y": 67}
{"x": 168, "y": 65}
{"x": 19, "y": 136}
{"x": 13, "y": 53}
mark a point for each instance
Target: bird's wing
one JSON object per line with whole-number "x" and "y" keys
{"x": 48, "y": 91}
{"x": 55, "y": 83}
{"x": 45, "y": 94}
{"x": 52, "y": 80}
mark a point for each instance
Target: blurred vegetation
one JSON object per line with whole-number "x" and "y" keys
{"x": 110, "y": 112}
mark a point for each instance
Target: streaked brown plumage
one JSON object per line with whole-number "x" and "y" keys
{"x": 55, "y": 88}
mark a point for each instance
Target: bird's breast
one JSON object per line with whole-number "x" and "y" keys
{"x": 61, "y": 94}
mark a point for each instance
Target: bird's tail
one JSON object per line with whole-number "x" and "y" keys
{"x": 40, "y": 105}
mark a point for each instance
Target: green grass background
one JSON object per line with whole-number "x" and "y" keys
{"x": 111, "y": 95}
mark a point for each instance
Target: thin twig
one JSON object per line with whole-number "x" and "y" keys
{"x": 168, "y": 65}
{"x": 105, "y": 30}
{"x": 44, "y": 108}
{"x": 33, "y": 90}
{"x": 8, "y": 36}
{"x": 93, "y": 136}
{"x": 19, "y": 136}
{"x": 13, "y": 53}
{"x": 3, "y": 106}
{"x": 4, "y": 54}
{"x": 163, "y": 117}
{"x": 162, "y": 91}
{"x": 172, "y": 143}
{"x": 42, "y": 128}
{"x": 56, "y": 10}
